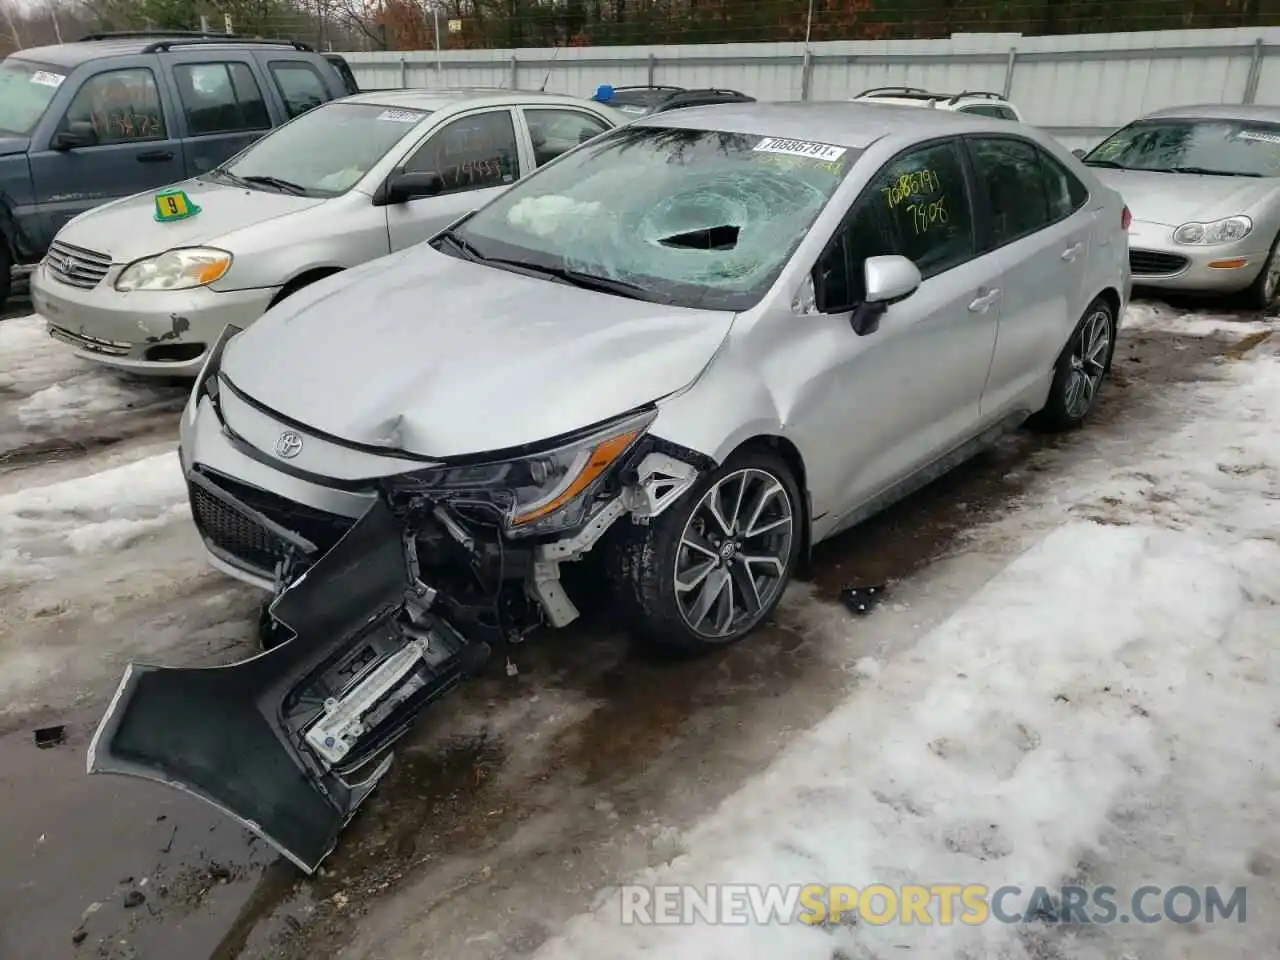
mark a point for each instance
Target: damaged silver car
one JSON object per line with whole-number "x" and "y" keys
{"x": 683, "y": 353}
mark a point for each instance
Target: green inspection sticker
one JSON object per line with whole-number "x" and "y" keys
{"x": 174, "y": 205}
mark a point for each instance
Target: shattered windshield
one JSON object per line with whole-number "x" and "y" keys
{"x": 695, "y": 218}
{"x": 25, "y": 92}
{"x": 1229, "y": 148}
{"x": 325, "y": 151}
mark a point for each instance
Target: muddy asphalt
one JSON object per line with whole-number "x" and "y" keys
{"x": 110, "y": 868}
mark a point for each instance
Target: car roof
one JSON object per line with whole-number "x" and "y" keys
{"x": 71, "y": 55}
{"x": 1219, "y": 111}
{"x": 440, "y": 98}
{"x": 845, "y": 123}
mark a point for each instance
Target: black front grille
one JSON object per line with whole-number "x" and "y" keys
{"x": 1149, "y": 263}
{"x": 246, "y": 540}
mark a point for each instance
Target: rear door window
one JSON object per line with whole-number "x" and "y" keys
{"x": 300, "y": 85}
{"x": 554, "y": 132}
{"x": 220, "y": 98}
{"x": 1011, "y": 183}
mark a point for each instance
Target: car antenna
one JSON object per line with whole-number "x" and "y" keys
{"x": 555, "y": 53}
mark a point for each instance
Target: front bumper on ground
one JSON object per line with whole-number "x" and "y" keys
{"x": 290, "y": 742}
{"x": 1156, "y": 261}
{"x": 161, "y": 333}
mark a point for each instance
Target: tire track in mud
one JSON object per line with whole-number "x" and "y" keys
{"x": 514, "y": 778}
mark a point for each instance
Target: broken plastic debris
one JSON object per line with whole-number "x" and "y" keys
{"x": 50, "y": 736}
{"x": 862, "y": 600}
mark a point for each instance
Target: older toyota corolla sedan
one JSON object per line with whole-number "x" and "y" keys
{"x": 148, "y": 283}
{"x": 688, "y": 350}
{"x": 1204, "y": 187}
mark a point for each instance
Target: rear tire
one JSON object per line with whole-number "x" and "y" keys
{"x": 705, "y": 573}
{"x": 1081, "y": 369}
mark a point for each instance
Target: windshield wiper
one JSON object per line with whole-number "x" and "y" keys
{"x": 219, "y": 174}
{"x": 1205, "y": 171}
{"x": 470, "y": 252}
{"x": 1111, "y": 164}
{"x": 285, "y": 185}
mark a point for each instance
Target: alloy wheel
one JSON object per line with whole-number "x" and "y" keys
{"x": 1088, "y": 363}
{"x": 733, "y": 555}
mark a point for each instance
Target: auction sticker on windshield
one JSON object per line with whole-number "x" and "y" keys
{"x": 1265, "y": 136}
{"x": 800, "y": 148}
{"x": 47, "y": 79}
{"x": 400, "y": 116}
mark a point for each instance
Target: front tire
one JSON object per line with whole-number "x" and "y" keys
{"x": 1080, "y": 371}
{"x": 1262, "y": 292}
{"x": 714, "y": 566}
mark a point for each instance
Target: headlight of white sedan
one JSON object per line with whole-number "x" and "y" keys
{"x": 182, "y": 269}
{"x": 1227, "y": 230}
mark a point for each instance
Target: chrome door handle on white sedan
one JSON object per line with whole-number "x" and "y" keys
{"x": 1071, "y": 252}
{"x": 984, "y": 301}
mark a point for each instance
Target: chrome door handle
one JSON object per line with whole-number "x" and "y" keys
{"x": 1071, "y": 252}
{"x": 984, "y": 302}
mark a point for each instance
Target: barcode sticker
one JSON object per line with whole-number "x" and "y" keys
{"x": 400, "y": 116}
{"x": 1264, "y": 136}
{"x": 800, "y": 148}
{"x": 47, "y": 79}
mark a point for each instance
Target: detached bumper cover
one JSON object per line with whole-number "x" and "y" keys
{"x": 290, "y": 742}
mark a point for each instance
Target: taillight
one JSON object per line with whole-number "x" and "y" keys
{"x": 1126, "y": 218}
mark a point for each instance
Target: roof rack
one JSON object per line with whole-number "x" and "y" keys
{"x": 890, "y": 91}
{"x": 985, "y": 94}
{"x": 701, "y": 97}
{"x": 165, "y": 39}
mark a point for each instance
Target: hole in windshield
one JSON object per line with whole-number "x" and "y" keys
{"x": 723, "y": 237}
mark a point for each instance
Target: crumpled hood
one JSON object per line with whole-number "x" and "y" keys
{"x": 440, "y": 357}
{"x": 11, "y": 145}
{"x": 1173, "y": 199}
{"x": 127, "y": 228}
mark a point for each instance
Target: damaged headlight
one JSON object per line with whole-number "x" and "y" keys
{"x": 539, "y": 493}
{"x": 181, "y": 269}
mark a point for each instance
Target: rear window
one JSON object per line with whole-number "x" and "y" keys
{"x": 26, "y": 90}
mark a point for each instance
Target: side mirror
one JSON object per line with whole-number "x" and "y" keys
{"x": 402, "y": 187}
{"x": 1077, "y": 152}
{"x": 886, "y": 279}
{"x": 78, "y": 134}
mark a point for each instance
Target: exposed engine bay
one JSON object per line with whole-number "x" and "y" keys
{"x": 411, "y": 600}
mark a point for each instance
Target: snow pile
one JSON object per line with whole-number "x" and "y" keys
{"x": 93, "y": 514}
{"x": 1153, "y": 315}
{"x": 61, "y": 394}
{"x": 1102, "y": 712}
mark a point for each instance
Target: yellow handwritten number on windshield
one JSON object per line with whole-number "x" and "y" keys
{"x": 925, "y": 215}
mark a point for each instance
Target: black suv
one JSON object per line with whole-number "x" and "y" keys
{"x": 118, "y": 113}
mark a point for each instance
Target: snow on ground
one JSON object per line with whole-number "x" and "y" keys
{"x": 51, "y": 393}
{"x": 93, "y": 515}
{"x": 1154, "y": 315}
{"x": 1103, "y": 711}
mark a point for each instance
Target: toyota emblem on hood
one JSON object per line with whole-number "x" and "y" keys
{"x": 289, "y": 445}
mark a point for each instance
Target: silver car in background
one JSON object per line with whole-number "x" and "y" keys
{"x": 1203, "y": 183}
{"x": 688, "y": 350}
{"x": 349, "y": 181}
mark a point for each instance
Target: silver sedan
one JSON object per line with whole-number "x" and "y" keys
{"x": 1203, "y": 184}
{"x": 148, "y": 283}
